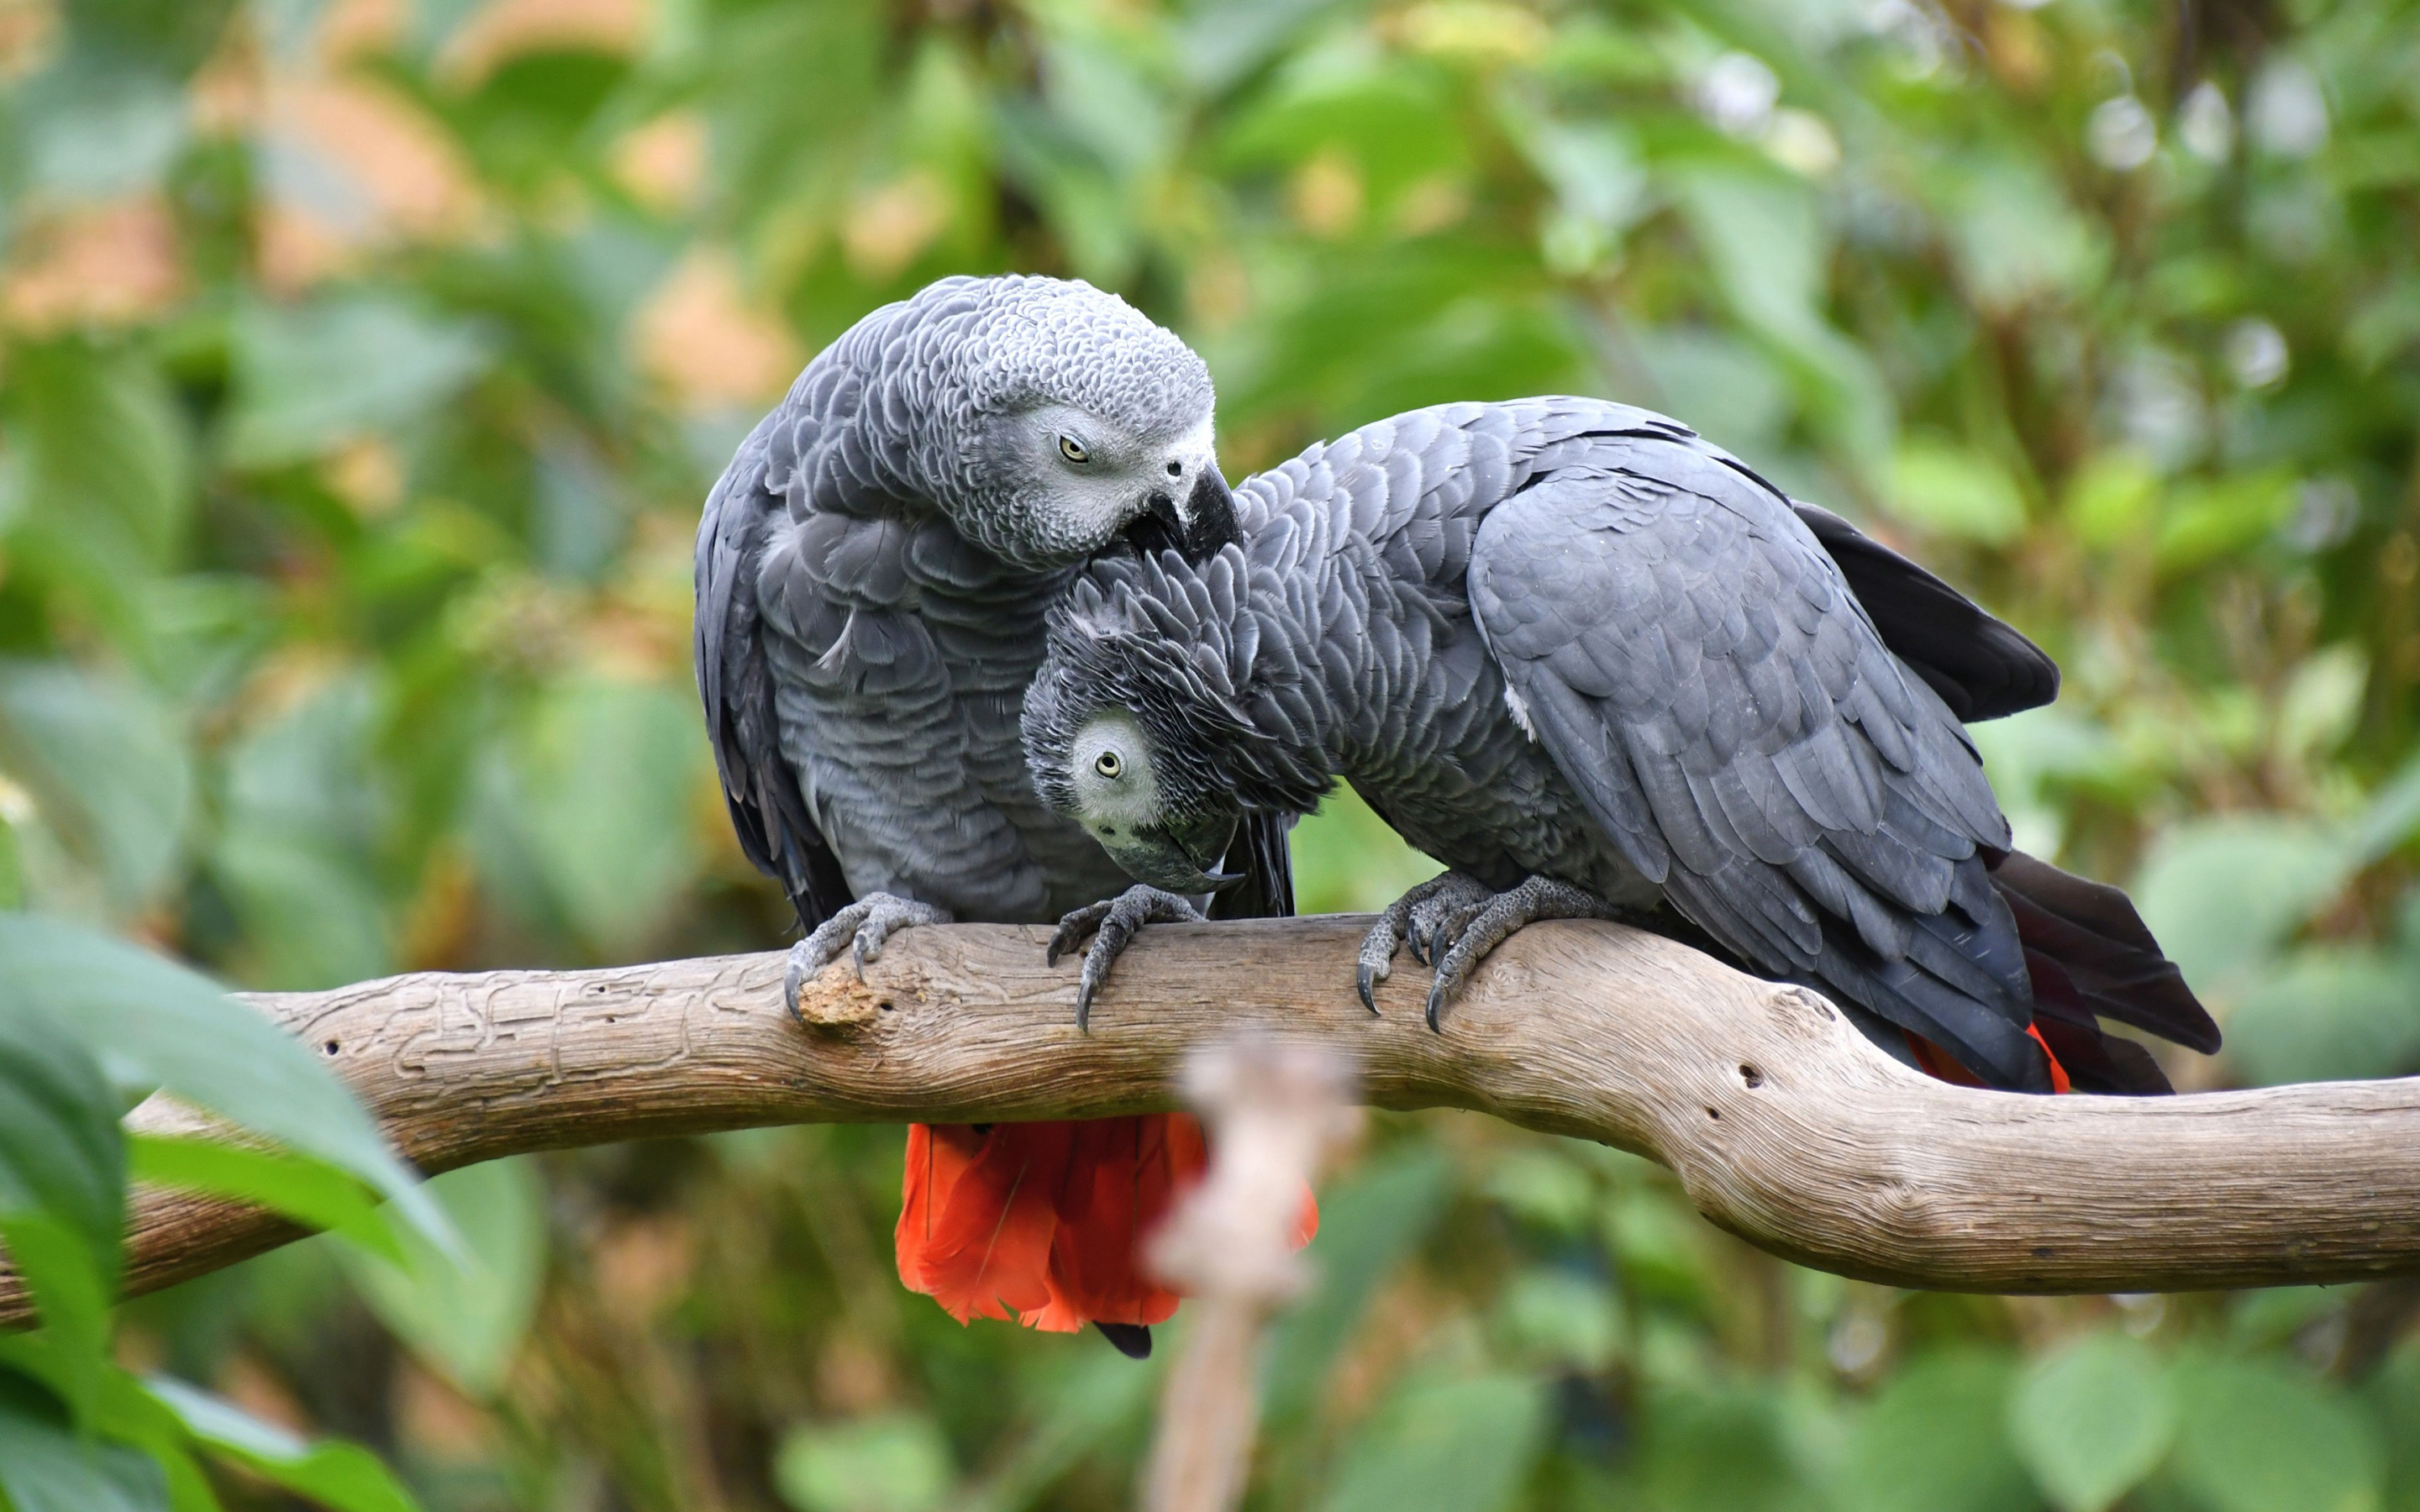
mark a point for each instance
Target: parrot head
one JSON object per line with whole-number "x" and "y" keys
{"x": 1069, "y": 426}
{"x": 1164, "y": 714}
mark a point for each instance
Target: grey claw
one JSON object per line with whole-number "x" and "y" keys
{"x": 794, "y": 976}
{"x": 1111, "y": 923}
{"x": 1367, "y": 980}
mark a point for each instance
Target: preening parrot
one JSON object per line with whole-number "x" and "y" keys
{"x": 1601, "y": 669}
{"x": 873, "y": 572}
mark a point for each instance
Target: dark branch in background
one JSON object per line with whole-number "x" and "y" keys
{"x": 1784, "y": 1125}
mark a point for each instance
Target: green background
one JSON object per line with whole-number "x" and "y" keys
{"x": 363, "y": 367}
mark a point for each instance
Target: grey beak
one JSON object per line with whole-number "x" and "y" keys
{"x": 1209, "y": 517}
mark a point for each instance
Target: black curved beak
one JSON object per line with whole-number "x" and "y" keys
{"x": 1179, "y": 857}
{"x": 1209, "y": 517}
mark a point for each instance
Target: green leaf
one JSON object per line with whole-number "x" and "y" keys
{"x": 2327, "y": 1014}
{"x": 154, "y": 1022}
{"x": 45, "y": 1467}
{"x": 105, "y": 761}
{"x": 605, "y": 784}
{"x": 2191, "y": 890}
{"x": 895, "y": 1462}
{"x": 305, "y": 1189}
{"x": 2092, "y": 1420}
{"x": 62, "y": 1188}
{"x": 344, "y": 1477}
{"x": 297, "y": 846}
{"x": 467, "y": 1318}
{"x": 1444, "y": 1446}
{"x": 1954, "y": 492}
{"x": 1367, "y": 1225}
{"x": 2257, "y": 1437}
{"x": 312, "y": 377}
{"x": 1934, "y": 1439}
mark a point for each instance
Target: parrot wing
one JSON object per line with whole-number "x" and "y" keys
{"x": 1983, "y": 667}
{"x": 1697, "y": 667}
{"x": 735, "y": 680}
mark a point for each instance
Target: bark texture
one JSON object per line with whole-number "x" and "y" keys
{"x": 1783, "y": 1124}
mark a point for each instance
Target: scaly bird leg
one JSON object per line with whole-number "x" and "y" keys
{"x": 1411, "y": 920}
{"x": 1475, "y": 932}
{"x": 1112, "y": 922}
{"x": 865, "y": 923}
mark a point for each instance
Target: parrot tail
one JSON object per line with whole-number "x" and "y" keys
{"x": 1044, "y": 1222}
{"x": 2091, "y": 957}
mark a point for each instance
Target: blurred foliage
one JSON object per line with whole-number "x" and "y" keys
{"x": 362, "y": 363}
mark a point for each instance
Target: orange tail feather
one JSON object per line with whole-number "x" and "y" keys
{"x": 1046, "y": 1220}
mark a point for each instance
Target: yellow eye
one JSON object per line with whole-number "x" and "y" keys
{"x": 1073, "y": 450}
{"x": 1107, "y": 765}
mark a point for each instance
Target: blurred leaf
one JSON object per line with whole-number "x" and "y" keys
{"x": 1933, "y": 1440}
{"x": 2092, "y": 1420}
{"x": 307, "y": 1190}
{"x": 2016, "y": 237}
{"x": 897, "y": 1462}
{"x": 1346, "y": 860}
{"x": 1719, "y": 1451}
{"x": 1954, "y": 492}
{"x": 105, "y": 470}
{"x": 2260, "y": 1437}
{"x": 1545, "y": 1187}
{"x": 2191, "y": 890}
{"x": 44, "y": 1467}
{"x": 1368, "y": 1223}
{"x": 2209, "y": 520}
{"x": 298, "y": 839}
{"x": 1443, "y": 1446}
{"x": 343, "y": 1477}
{"x": 155, "y": 1024}
{"x": 107, "y": 765}
{"x": 1562, "y": 1318}
{"x": 607, "y": 780}
{"x": 316, "y": 374}
{"x": 2327, "y": 1014}
{"x": 467, "y": 1318}
{"x": 62, "y": 1187}
{"x": 2113, "y": 499}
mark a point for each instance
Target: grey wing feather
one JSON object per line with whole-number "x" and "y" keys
{"x": 737, "y": 684}
{"x": 1697, "y": 667}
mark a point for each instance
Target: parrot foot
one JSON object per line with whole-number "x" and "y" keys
{"x": 1413, "y": 920}
{"x": 864, "y": 926}
{"x": 1468, "y": 936}
{"x": 1112, "y": 922}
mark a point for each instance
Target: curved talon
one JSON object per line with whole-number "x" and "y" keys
{"x": 1476, "y": 933}
{"x": 1112, "y": 922}
{"x": 1409, "y": 920}
{"x": 794, "y": 976}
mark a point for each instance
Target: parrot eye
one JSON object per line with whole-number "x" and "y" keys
{"x": 1108, "y": 764}
{"x": 1074, "y": 451}
{"x": 1176, "y": 469}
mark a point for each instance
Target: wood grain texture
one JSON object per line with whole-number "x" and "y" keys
{"x": 1785, "y": 1126}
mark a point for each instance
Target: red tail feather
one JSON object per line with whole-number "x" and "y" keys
{"x": 1046, "y": 1221}
{"x": 1942, "y": 1068}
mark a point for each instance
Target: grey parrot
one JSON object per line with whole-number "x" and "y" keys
{"x": 873, "y": 572}
{"x": 1601, "y": 669}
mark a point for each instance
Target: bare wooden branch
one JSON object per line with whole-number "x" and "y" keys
{"x": 1784, "y": 1125}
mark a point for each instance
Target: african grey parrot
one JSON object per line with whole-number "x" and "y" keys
{"x": 1601, "y": 669}
{"x": 872, "y": 571}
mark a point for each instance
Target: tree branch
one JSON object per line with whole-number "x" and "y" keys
{"x": 1785, "y": 1126}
